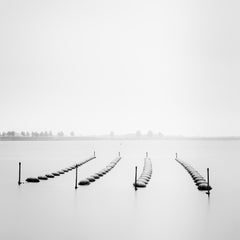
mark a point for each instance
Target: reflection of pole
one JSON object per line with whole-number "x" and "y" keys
{"x": 208, "y": 181}
{"x": 19, "y": 173}
{"x": 135, "y": 178}
{"x": 76, "y": 176}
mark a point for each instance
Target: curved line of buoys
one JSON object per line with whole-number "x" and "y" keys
{"x": 196, "y": 176}
{"x": 146, "y": 174}
{"x": 58, "y": 173}
{"x": 101, "y": 173}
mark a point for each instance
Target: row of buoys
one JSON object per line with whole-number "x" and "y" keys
{"x": 146, "y": 174}
{"x": 199, "y": 180}
{"x": 101, "y": 173}
{"x": 58, "y": 173}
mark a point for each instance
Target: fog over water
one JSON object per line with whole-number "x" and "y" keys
{"x": 100, "y": 66}
{"x": 170, "y": 207}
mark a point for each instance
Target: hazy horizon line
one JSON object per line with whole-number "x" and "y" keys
{"x": 111, "y": 135}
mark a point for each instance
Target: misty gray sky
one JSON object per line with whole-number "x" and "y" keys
{"x": 97, "y": 66}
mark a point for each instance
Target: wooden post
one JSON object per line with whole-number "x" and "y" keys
{"x": 135, "y": 184}
{"x": 76, "y": 177}
{"x": 208, "y": 192}
{"x": 19, "y": 173}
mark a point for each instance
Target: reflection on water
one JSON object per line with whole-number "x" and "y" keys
{"x": 170, "y": 207}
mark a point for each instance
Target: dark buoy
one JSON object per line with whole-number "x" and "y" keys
{"x": 204, "y": 187}
{"x": 145, "y": 177}
{"x": 141, "y": 180}
{"x": 84, "y": 182}
{"x": 96, "y": 176}
{"x": 200, "y": 182}
{"x": 91, "y": 179}
{"x": 42, "y": 178}
{"x": 140, "y": 184}
{"x": 49, "y": 175}
{"x": 32, "y": 180}
{"x": 56, "y": 174}
{"x": 198, "y": 178}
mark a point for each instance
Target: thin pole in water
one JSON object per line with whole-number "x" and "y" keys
{"x": 94, "y": 154}
{"x": 119, "y": 154}
{"x": 208, "y": 192}
{"x": 76, "y": 176}
{"x": 176, "y": 156}
{"x": 19, "y": 172}
{"x": 135, "y": 178}
{"x": 146, "y": 154}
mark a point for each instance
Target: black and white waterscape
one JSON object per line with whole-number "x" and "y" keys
{"x": 119, "y": 120}
{"x": 169, "y": 207}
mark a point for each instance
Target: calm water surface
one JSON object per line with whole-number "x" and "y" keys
{"x": 170, "y": 207}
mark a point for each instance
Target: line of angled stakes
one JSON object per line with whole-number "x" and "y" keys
{"x": 199, "y": 180}
{"x": 101, "y": 173}
{"x": 58, "y": 173}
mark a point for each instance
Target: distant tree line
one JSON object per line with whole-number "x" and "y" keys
{"x": 61, "y": 134}
{"x": 34, "y": 134}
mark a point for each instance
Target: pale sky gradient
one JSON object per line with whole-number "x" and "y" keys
{"x": 99, "y": 66}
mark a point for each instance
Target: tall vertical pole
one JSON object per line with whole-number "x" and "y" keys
{"x": 19, "y": 172}
{"x": 76, "y": 176}
{"x": 208, "y": 180}
{"x": 135, "y": 178}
